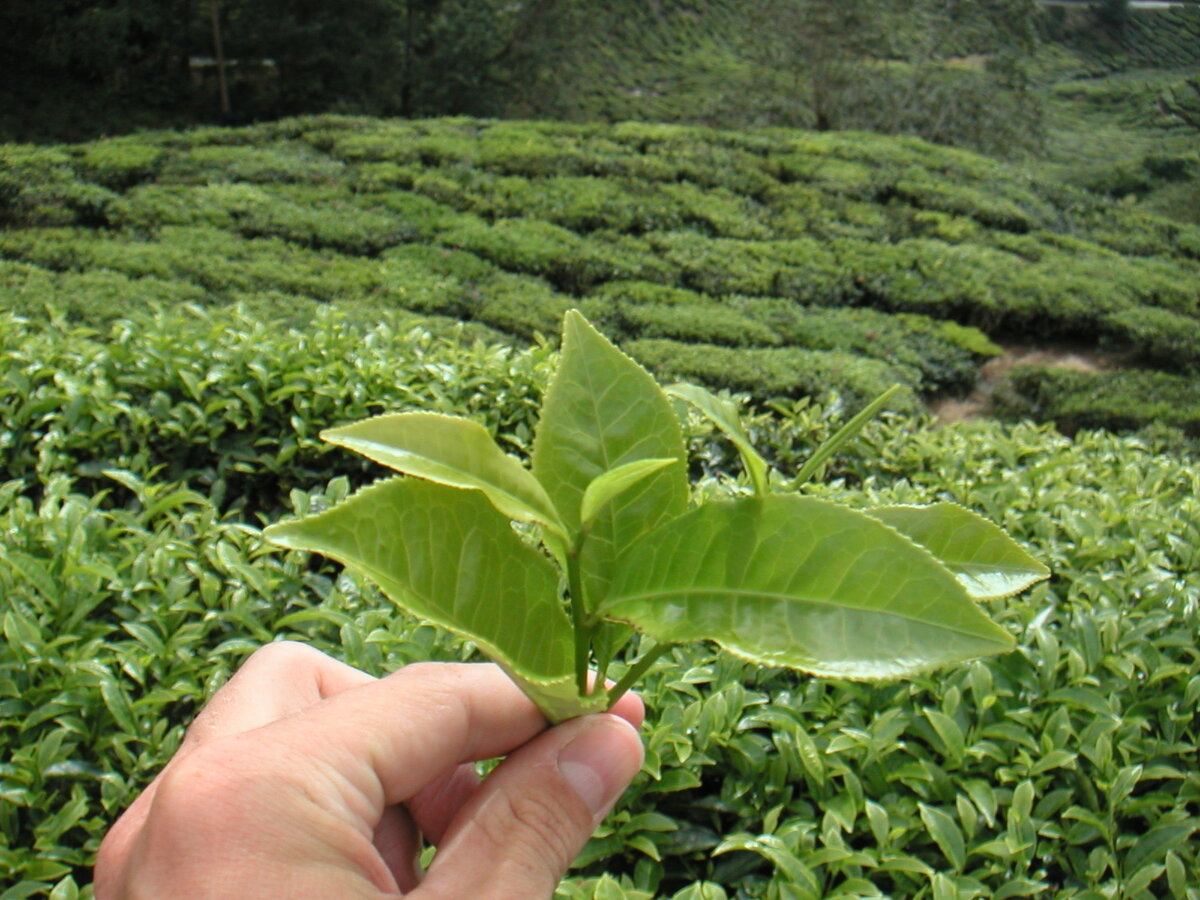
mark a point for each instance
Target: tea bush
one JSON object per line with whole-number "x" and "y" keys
{"x": 140, "y": 462}
{"x": 230, "y": 403}
{"x": 780, "y": 233}
{"x": 781, "y": 371}
{"x": 1128, "y": 399}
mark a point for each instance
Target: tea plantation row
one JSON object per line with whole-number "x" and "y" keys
{"x": 140, "y": 460}
{"x": 826, "y": 261}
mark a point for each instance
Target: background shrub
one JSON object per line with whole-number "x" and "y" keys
{"x": 141, "y": 462}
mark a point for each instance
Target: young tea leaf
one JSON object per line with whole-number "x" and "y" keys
{"x": 614, "y": 482}
{"x": 799, "y": 582}
{"x": 845, "y": 433}
{"x": 985, "y": 560}
{"x": 451, "y": 451}
{"x": 602, "y": 411}
{"x": 448, "y": 556}
{"x": 725, "y": 416}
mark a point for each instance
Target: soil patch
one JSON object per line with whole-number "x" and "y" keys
{"x": 978, "y": 404}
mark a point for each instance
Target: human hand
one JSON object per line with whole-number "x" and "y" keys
{"x": 306, "y": 778}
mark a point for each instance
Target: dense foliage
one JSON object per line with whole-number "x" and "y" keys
{"x": 141, "y": 460}
{"x": 79, "y": 70}
{"x": 779, "y": 262}
{"x": 1119, "y": 37}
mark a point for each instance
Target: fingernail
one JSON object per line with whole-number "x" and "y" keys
{"x": 597, "y": 763}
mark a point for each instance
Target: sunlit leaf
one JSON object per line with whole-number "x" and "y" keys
{"x": 725, "y": 416}
{"x": 615, "y": 482}
{"x": 602, "y": 411}
{"x": 843, "y": 434}
{"x": 448, "y": 556}
{"x": 799, "y": 582}
{"x": 452, "y": 451}
{"x": 945, "y": 833}
{"x": 985, "y": 560}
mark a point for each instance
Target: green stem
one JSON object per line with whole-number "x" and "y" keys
{"x": 583, "y": 631}
{"x": 636, "y": 671}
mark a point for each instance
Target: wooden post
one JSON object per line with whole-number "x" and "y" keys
{"x": 223, "y": 86}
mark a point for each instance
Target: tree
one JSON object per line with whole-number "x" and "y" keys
{"x": 952, "y": 71}
{"x": 822, "y": 45}
{"x": 1112, "y": 16}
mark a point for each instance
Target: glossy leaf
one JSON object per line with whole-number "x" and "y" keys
{"x": 945, "y": 833}
{"x": 452, "y": 451}
{"x": 799, "y": 582}
{"x": 724, "y": 415}
{"x": 985, "y": 560}
{"x": 448, "y": 556}
{"x": 615, "y": 482}
{"x": 602, "y": 411}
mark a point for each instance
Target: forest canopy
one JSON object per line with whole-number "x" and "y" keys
{"x": 83, "y": 69}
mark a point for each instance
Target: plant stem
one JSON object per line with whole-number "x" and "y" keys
{"x": 583, "y": 631}
{"x": 636, "y": 671}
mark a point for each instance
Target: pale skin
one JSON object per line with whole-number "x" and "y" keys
{"x": 306, "y": 778}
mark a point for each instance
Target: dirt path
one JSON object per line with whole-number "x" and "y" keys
{"x": 979, "y": 403}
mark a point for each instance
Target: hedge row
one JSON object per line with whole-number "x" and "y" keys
{"x": 134, "y": 583}
{"x": 1123, "y": 400}
{"x": 510, "y": 223}
{"x": 232, "y": 403}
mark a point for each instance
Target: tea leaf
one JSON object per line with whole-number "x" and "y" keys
{"x": 725, "y": 416}
{"x": 985, "y": 560}
{"x": 844, "y": 434}
{"x": 799, "y": 582}
{"x": 945, "y": 833}
{"x": 614, "y": 482}
{"x": 1155, "y": 843}
{"x": 603, "y": 410}
{"x": 452, "y": 451}
{"x": 448, "y": 556}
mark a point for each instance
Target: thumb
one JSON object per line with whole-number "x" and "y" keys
{"x": 516, "y": 837}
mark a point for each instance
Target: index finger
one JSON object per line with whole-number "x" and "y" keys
{"x": 395, "y": 735}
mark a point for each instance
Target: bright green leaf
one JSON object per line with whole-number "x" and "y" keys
{"x": 949, "y": 732}
{"x": 1137, "y": 882}
{"x": 602, "y": 411}
{"x": 799, "y": 582}
{"x": 1176, "y": 876}
{"x": 615, "y": 482}
{"x": 987, "y": 562}
{"x": 448, "y": 556}
{"x": 843, "y": 434}
{"x": 946, "y": 834}
{"x": 725, "y": 416}
{"x": 1155, "y": 843}
{"x": 877, "y": 817}
{"x": 451, "y": 451}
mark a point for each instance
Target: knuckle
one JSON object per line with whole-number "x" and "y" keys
{"x": 282, "y": 653}
{"x": 205, "y": 780}
{"x": 541, "y": 831}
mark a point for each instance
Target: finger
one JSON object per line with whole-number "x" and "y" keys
{"x": 516, "y": 837}
{"x": 435, "y": 806}
{"x": 278, "y": 679}
{"x": 390, "y": 738}
{"x": 398, "y": 843}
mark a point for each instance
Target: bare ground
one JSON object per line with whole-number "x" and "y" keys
{"x": 978, "y": 404}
